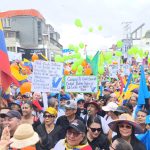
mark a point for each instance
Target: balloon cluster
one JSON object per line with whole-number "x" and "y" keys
{"x": 79, "y": 67}
{"x": 136, "y": 52}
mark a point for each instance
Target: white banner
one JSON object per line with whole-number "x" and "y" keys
{"x": 47, "y": 76}
{"x": 84, "y": 84}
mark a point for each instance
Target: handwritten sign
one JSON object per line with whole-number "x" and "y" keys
{"x": 85, "y": 84}
{"x": 113, "y": 70}
{"x": 47, "y": 76}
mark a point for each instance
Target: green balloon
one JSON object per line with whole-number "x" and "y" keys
{"x": 80, "y": 68}
{"x": 148, "y": 60}
{"x": 90, "y": 29}
{"x": 71, "y": 46}
{"x": 65, "y": 57}
{"x": 74, "y": 67}
{"x": 78, "y": 23}
{"x": 119, "y": 44}
{"x": 118, "y": 53}
{"x": 100, "y": 28}
{"x": 81, "y": 45}
{"x": 77, "y": 55}
{"x": 78, "y": 73}
{"x": 58, "y": 58}
{"x": 76, "y": 49}
{"x": 141, "y": 53}
{"x": 101, "y": 70}
{"x": 135, "y": 50}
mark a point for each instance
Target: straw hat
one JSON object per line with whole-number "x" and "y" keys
{"x": 24, "y": 136}
{"x": 125, "y": 118}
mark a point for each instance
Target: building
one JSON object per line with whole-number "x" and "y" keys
{"x": 26, "y": 32}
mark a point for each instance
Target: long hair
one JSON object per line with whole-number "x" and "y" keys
{"x": 94, "y": 119}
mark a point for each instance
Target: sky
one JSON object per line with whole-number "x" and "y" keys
{"x": 110, "y": 14}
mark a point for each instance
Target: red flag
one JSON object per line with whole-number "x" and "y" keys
{"x": 122, "y": 83}
{"x": 5, "y": 73}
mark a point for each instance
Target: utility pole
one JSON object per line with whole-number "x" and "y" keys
{"x": 127, "y": 29}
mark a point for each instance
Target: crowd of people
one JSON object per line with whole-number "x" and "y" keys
{"x": 75, "y": 121}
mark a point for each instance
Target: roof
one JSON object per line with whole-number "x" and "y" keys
{"x": 26, "y": 12}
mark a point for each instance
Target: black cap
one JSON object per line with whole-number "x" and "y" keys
{"x": 78, "y": 125}
{"x": 14, "y": 113}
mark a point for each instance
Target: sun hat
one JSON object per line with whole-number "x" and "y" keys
{"x": 78, "y": 125}
{"x": 111, "y": 106}
{"x": 125, "y": 118}
{"x": 72, "y": 104}
{"x": 24, "y": 136}
{"x": 51, "y": 111}
{"x": 93, "y": 103}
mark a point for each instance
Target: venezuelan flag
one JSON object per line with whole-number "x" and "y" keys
{"x": 5, "y": 73}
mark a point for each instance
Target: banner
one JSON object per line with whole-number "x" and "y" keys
{"x": 47, "y": 76}
{"x": 84, "y": 84}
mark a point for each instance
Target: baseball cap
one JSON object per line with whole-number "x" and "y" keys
{"x": 111, "y": 106}
{"x": 51, "y": 111}
{"x": 71, "y": 104}
{"x": 13, "y": 113}
{"x": 3, "y": 112}
{"x": 121, "y": 109}
{"x": 66, "y": 97}
{"x": 78, "y": 125}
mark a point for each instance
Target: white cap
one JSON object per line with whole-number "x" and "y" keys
{"x": 111, "y": 106}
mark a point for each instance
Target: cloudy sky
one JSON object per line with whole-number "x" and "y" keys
{"x": 110, "y": 14}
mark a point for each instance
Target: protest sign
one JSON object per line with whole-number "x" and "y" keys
{"x": 41, "y": 76}
{"x": 47, "y": 76}
{"x": 113, "y": 70}
{"x": 84, "y": 84}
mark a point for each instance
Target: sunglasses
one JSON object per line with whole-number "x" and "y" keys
{"x": 96, "y": 129}
{"x": 49, "y": 116}
{"x": 75, "y": 134}
{"x": 125, "y": 126}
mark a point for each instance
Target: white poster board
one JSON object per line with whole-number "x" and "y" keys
{"x": 56, "y": 74}
{"x": 47, "y": 76}
{"x": 84, "y": 84}
{"x": 113, "y": 70}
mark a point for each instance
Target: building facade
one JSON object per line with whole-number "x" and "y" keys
{"x": 27, "y": 29}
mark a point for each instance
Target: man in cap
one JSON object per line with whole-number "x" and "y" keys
{"x": 70, "y": 116}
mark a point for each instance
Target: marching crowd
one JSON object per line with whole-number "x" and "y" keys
{"x": 75, "y": 121}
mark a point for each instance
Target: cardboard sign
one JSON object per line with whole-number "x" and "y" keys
{"x": 47, "y": 76}
{"x": 84, "y": 84}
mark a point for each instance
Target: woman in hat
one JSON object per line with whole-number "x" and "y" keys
{"x": 126, "y": 128}
{"x": 95, "y": 136}
{"x": 24, "y": 138}
{"x": 75, "y": 138}
{"x": 48, "y": 132}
